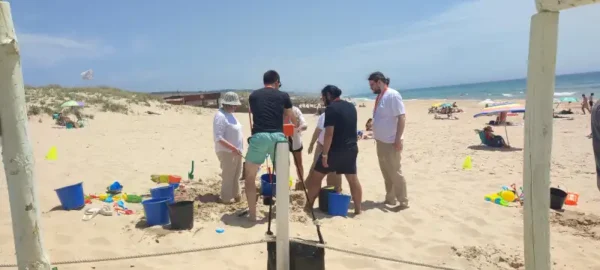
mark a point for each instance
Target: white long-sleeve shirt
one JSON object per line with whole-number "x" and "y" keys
{"x": 227, "y": 127}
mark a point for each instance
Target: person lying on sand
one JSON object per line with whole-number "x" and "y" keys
{"x": 63, "y": 120}
{"x": 493, "y": 140}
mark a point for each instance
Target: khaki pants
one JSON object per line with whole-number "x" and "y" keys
{"x": 333, "y": 179}
{"x": 389, "y": 163}
{"x": 231, "y": 171}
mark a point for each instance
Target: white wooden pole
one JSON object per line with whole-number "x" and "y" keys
{"x": 558, "y": 5}
{"x": 282, "y": 203}
{"x": 538, "y": 139}
{"x": 17, "y": 153}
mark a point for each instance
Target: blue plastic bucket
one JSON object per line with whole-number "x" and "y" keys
{"x": 69, "y": 126}
{"x": 54, "y": 116}
{"x": 338, "y": 204}
{"x": 156, "y": 211}
{"x": 164, "y": 192}
{"x": 266, "y": 188}
{"x": 71, "y": 197}
{"x": 174, "y": 185}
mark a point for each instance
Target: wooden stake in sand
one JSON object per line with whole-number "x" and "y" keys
{"x": 17, "y": 153}
{"x": 538, "y": 129}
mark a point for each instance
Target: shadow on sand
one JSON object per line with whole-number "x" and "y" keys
{"x": 494, "y": 149}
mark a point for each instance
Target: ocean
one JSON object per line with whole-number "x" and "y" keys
{"x": 566, "y": 85}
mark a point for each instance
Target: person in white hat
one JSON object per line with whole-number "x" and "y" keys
{"x": 229, "y": 143}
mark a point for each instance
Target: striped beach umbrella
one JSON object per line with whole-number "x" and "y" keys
{"x": 507, "y": 108}
{"x": 510, "y": 108}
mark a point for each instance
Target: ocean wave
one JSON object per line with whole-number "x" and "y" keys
{"x": 507, "y": 95}
{"x": 564, "y": 94}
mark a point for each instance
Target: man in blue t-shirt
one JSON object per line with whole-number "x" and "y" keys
{"x": 340, "y": 148}
{"x": 268, "y": 107}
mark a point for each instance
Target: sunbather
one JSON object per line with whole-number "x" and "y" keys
{"x": 493, "y": 140}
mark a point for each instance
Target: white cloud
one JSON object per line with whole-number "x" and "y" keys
{"x": 45, "y": 50}
{"x": 472, "y": 41}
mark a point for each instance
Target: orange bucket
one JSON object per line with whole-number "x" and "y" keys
{"x": 174, "y": 179}
{"x": 288, "y": 130}
{"x": 572, "y": 198}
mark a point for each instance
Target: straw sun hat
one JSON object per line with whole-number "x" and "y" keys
{"x": 231, "y": 98}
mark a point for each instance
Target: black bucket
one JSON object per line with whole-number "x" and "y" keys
{"x": 302, "y": 257}
{"x": 557, "y": 198}
{"x": 182, "y": 215}
{"x": 324, "y": 198}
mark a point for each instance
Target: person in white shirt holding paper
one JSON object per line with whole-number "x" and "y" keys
{"x": 295, "y": 141}
{"x": 389, "y": 119}
{"x": 229, "y": 143}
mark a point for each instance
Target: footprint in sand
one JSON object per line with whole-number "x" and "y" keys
{"x": 63, "y": 239}
{"x": 357, "y": 263}
{"x": 99, "y": 241}
{"x": 478, "y": 221}
{"x": 437, "y": 249}
{"x": 468, "y": 231}
{"x": 404, "y": 230}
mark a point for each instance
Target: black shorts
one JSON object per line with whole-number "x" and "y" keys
{"x": 340, "y": 162}
{"x": 291, "y": 143}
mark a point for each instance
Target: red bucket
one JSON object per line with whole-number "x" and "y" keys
{"x": 288, "y": 130}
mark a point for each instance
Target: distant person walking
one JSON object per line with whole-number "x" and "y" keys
{"x": 269, "y": 107}
{"x": 389, "y": 119}
{"x": 591, "y": 100}
{"x": 340, "y": 148}
{"x": 596, "y": 140}
{"x": 585, "y": 104}
{"x": 229, "y": 144}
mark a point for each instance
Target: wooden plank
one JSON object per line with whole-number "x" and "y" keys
{"x": 17, "y": 153}
{"x": 538, "y": 138}
{"x": 558, "y": 5}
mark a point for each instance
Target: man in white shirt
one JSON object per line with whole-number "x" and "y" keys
{"x": 389, "y": 120}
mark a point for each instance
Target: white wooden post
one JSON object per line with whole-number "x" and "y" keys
{"x": 282, "y": 204}
{"x": 538, "y": 139}
{"x": 17, "y": 153}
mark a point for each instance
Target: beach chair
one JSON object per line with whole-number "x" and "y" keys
{"x": 482, "y": 137}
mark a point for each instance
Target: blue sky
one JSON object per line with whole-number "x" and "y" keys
{"x": 201, "y": 45}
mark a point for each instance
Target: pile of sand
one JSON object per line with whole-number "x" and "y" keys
{"x": 578, "y": 223}
{"x": 205, "y": 194}
{"x": 490, "y": 256}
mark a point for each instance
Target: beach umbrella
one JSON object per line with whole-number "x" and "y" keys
{"x": 568, "y": 99}
{"x": 437, "y": 104}
{"x": 507, "y": 108}
{"x": 503, "y": 108}
{"x": 72, "y": 103}
{"x": 446, "y": 105}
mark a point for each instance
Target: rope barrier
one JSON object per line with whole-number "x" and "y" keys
{"x": 160, "y": 254}
{"x": 389, "y": 259}
{"x": 271, "y": 239}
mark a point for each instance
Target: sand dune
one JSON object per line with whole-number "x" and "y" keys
{"x": 448, "y": 224}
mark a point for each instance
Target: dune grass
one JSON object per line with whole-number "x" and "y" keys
{"x": 47, "y": 99}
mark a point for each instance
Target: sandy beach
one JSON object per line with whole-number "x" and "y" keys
{"x": 448, "y": 223}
